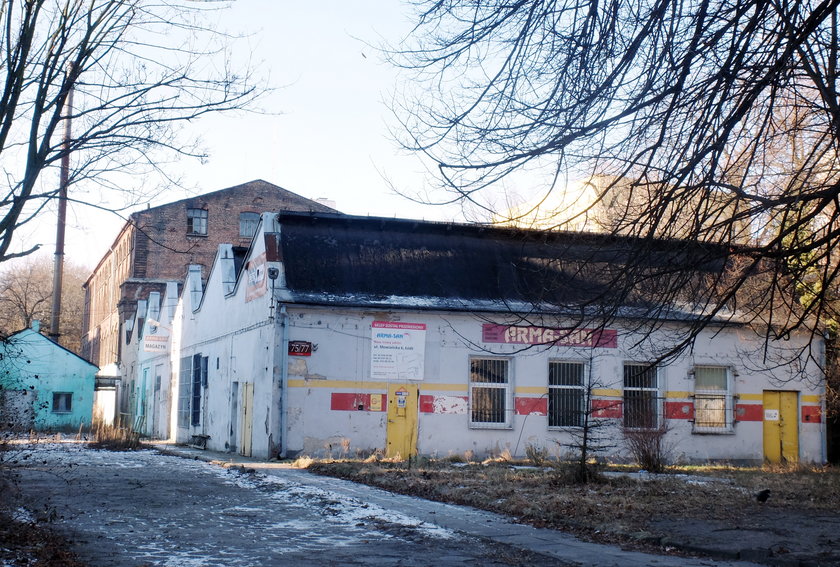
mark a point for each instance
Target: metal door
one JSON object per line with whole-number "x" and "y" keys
{"x": 401, "y": 432}
{"x": 781, "y": 426}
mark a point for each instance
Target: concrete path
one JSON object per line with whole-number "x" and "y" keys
{"x": 563, "y": 548}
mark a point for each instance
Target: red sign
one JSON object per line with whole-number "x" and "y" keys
{"x": 300, "y": 348}
{"x": 593, "y": 338}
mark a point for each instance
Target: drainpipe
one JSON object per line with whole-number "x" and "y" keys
{"x": 823, "y": 421}
{"x": 284, "y": 378}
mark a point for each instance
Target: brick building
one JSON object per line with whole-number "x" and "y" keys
{"x": 155, "y": 246}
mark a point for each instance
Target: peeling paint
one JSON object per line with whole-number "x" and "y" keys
{"x": 450, "y": 404}
{"x": 297, "y": 367}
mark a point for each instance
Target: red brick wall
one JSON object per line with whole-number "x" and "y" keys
{"x": 158, "y": 247}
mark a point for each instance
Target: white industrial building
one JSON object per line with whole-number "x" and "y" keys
{"x": 340, "y": 334}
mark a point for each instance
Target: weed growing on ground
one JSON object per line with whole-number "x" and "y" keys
{"x": 114, "y": 437}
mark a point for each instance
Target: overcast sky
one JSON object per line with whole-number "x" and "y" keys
{"x": 327, "y": 136}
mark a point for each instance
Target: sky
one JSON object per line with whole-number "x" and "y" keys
{"x": 325, "y": 130}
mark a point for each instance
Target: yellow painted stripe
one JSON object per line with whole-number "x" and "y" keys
{"x": 540, "y": 390}
{"x": 426, "y": 387}
{"x": 606, "y": 392}
{"x": 677, "y": 394}
{"x": 751, "y": 397}
{"x": 344, "y": 384}
{"x": 369, "y": 385}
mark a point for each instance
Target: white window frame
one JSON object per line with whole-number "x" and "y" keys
{"x": 507, "y": 386}
{"x": 656, "y": 390}
{"x": 725, "y": 395}
{"x": 582, "y": 388}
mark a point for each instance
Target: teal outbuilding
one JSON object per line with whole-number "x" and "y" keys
{"x": 43, "y": 386}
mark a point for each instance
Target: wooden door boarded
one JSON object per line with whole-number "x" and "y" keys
{"x": 781, "y": 426}
{"x": 401, "y": 432}
{"x": 247, "y": 389}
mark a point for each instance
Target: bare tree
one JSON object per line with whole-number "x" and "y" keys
{"x": 25, "y": 293}
{"x": 717, "y": 124}
{"x": 138, "y": 69}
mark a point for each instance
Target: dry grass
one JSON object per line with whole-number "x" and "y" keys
{"x": 32, "y": 544}
{"x": 610, "y": 510}
{"x": 114, "y": 438}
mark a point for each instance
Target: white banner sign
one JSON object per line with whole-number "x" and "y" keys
{"x": 398, "y": 350}
{"x": 155, "y": 338}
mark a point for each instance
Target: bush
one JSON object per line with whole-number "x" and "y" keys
{"x": 536, "y": 454}
{"x": 649, "y": 447}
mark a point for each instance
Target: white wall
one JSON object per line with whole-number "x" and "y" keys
{"x": 341, "y": 364}
{"x": 241, "y": 336}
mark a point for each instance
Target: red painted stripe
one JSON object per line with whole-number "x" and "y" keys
{"x": 606, "y": 408}
{"x": 354, "y": 402}
{"x": 427, "y": 403}
{"x": 679, "y": 410}
{"x": 749, "y": 412}
{"x": 531, "y": 406}
{"x": 811, "y": 414}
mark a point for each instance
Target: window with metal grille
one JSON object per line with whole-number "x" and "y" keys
{"x": 712, "y": 399}
{"x": 641, "y": 396}
{"x": 248, "y": 224}
{"x": 565, "y": 394}
{"x": 184, "y": 390}
{"x": 197, "y": 221}
{"x": 62, "y": 402}
{"x": 489, "y": 392}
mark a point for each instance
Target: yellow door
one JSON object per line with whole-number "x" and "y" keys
{"x": 401, "y": 433}
{"x": 781, "y": 427}
{"x": 247, "y": 419}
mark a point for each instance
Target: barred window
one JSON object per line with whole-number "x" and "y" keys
{"x": 712, "y": 399}
{"x": 641, "y": 396}
{"x": 490, "y": 404}
{"x": 197, "y": 221}
{"x": 565, "y": 394}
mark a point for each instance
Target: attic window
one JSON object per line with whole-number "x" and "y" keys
{"x": 248, "y": 224}
{"x": 197, "y": 221}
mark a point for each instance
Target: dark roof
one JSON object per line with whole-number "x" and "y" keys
{"x": 345, "y": 259}
{"x": 293, "y": 200}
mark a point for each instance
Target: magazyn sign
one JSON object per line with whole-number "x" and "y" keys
{"x": 398, "y": 350}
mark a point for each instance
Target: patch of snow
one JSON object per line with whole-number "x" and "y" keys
{"x": 342, "y": 509}
{"x": 23, "y": 515}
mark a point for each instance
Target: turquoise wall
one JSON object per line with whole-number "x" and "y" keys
{"x": 34, "y": 363}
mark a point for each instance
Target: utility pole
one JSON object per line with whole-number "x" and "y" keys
{"x": 58, "y": 267}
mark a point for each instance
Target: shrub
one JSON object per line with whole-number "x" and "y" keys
{"x": 649, "y": 447}
{"x": 536, "y": 454}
